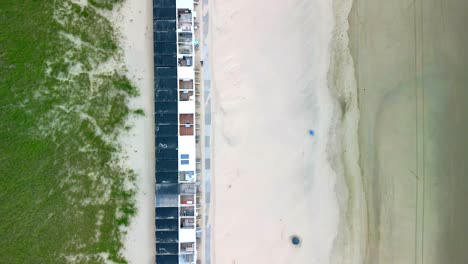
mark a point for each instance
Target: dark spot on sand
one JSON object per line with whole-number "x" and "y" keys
{"x": 295, "y": 240}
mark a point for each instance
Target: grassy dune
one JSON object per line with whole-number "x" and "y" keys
{"x": 63, "y": 195}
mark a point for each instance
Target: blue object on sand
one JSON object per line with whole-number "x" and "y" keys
{"x": 311, "y": 132}
{"x": 295, "y": 240}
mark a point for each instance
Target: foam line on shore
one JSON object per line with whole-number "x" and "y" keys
{"x": 349, "y": 246}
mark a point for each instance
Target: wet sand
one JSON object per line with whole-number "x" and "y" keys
{"x": 411, "y": 70}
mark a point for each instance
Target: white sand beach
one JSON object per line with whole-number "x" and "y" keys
{"x": 134, "y": 23}
{"x": 272, "y": 179}
{"x": 281, "y": 70}
{"x": 389, "y": 189}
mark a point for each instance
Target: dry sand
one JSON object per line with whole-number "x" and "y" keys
{"x": 272, "y": 179}
{"x": 134, "y": 22}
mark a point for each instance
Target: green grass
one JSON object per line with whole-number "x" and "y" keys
{"x": 58, "y": 169}
{"x": 139, "y": 111}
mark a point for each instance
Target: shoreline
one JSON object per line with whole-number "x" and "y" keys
{"x": 350, "y": 243}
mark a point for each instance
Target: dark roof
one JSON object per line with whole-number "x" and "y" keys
{"x": 164, "y": 3}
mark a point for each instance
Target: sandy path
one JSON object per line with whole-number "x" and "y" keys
{"x": 135, "y": 24}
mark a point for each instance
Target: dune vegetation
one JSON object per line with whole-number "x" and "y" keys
{"x": 64, "y": 195}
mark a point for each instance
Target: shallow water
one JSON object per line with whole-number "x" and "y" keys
{"x": 411, "y": 66}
